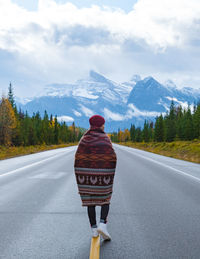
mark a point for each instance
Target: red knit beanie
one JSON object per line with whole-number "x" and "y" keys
{"x": 96, "y": 120}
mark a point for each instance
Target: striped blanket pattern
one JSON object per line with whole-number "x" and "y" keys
{"x": 95, "y": 163}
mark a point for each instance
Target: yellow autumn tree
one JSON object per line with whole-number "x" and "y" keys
{"x": 126, "y": 135}
{"x": 109, "y": 135}
{"x": 120, "y": 135}
{"x": 7, "y": 121}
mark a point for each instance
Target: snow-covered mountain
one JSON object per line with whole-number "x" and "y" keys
{"x": 121, "y": 104}
{"x": 94, "y": 87}
{"x": 150, "y": 95}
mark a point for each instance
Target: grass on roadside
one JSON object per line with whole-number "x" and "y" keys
{"x": 185, "y": 150}
{"x": 8, "y": 152}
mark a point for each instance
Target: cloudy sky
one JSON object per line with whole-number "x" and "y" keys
{"x": 49, "y": 41}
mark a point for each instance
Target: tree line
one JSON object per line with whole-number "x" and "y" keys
{"x": 177, "y": 124}
{"x": 17, "y": 128}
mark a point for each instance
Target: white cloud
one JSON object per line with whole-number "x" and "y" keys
{"x": 88, "y": 112}
{"x": 133, "y": 111}
{"x": 77, "y": 113}
{"x": 184, "y": 105}
{"x": 60, "y": 42}
{"x": 159, "y": 23}
{"x": 84, "y": 93}
{"x": 112, "y": 115}
{"x": 65, "y": 118}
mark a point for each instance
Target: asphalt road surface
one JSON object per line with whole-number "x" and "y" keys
{"x": 154, "y": 212}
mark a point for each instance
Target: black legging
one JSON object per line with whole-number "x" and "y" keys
{"x": 92, "y": 214}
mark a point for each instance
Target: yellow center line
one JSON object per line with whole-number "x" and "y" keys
{"x": 95, "y": 248}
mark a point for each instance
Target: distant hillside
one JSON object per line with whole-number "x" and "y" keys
{"x": 121, "y": 104}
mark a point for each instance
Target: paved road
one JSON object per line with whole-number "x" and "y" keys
{"x": 154, "y": 213}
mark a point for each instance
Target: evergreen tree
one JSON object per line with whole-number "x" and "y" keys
{"x": 180, "y": 124}
{"x": 196, "y": 122}
{"x": 45, "y": 129}
{"x": 138, "y": 135}
{"x": 146, "y": 132}
{"x": 11, "y": 95}
{"x": 159, "y": 129}
{"x": 25, "y": 129}
{"x": 56, "y": 132}
{"x": 37, "y": 128}
{"x": 188, "y": 127}
{"x": 170, "y": 124}
{"x": 32, "y": 134}
{"x": 151, "y": 130}
{"x": 132, "y": 132}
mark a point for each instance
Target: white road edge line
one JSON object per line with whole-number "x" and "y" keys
{"x": 33, "y": 164}
{"x": 167, "y": 166}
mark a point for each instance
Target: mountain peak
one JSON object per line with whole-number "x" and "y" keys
{"x": 97, "y": 77}
{"x": 169, "y": 83}
{"x": 151, "y": 83}
{"x": 135, "y": 78}
{"x": 121, "y": 104}
{"x": 147, "y": 79}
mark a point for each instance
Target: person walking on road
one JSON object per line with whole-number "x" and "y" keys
{"x": 94, "y": 165}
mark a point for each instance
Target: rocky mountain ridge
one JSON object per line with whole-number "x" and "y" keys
{"x": 120, "y": 104}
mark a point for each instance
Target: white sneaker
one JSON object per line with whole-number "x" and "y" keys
{"x": 102, "y": 229}
{"x": 94, "y": 232}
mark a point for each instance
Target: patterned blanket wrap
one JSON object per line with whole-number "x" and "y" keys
{"x": 95, "y": 163}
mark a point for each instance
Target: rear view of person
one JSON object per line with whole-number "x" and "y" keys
{"x": 95, "y": 163}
